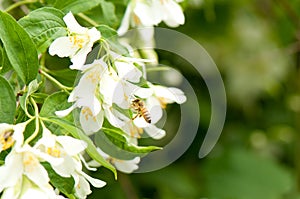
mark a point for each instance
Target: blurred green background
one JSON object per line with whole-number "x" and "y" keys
{"x": 255, "y": 44}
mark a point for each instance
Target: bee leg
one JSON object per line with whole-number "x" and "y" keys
{"x": 135, "y": 117}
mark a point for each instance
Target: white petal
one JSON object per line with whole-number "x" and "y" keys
{"x": 62, "y": 47}
{"x": 147, "y": 14}
{"x": 86, "y": 164}
{"x": 12, "y": 192}
{"x": 91, "y": 124}
{"x": 85, "y": 91}
{"x": 94, "y": 163}
{"x": 34, "y": 192}
{"x": 171, "y": 94}
{"x": 127, "y": 166}
{"x": 143, "y": 92}
{"x": 128, "y": 71}
{"x": 82, "y": 187}
{"x": 79, "y": 58}
{"x": 47, "y": 140}
{"x": 114, "y": 117}
{"x": 73, "y": 25}
{"x": 108, "y": 84}
{"x": 155, "y": 132}
{"x": 66, "y": 168}
{"x": 34, "y": 170}
{"x": 65, "y": 112}
{"x": 95, "y": 182}
{"x": 71, "y": 145}
{"x": 140, "y": 122}
{"x": 154, "y": 109}
{"x": 18, "y": 134}
{"x": 11, "y": 171}
{"x": 147, "y": 35}
{"x": 178, "y": 94}
{"x": 173, "y": 14}
{"x": 94, "y": 34}
{"x": 125, "y": 21}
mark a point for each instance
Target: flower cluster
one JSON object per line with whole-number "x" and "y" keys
{"x": 24, "y": 175}
{"x": 112, "y": 93}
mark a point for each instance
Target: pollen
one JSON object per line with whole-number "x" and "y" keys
{"x": 136, "y": 19}
{"x": 87, "y": 113}
{"x": 78, "y": 41}
{"x": 94, "y": 77}
{"x": 54, "y": 151}
{"x": 163, "y": 102}
{"x": 30, "y": 162}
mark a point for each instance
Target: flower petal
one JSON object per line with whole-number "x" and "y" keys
{"x": 155, "y": 132}
{"x": 73, "y": 25}
{"x": 89, "y": 123}
{"x": 148, "y": 14}
{"x": 173, "y": 14}
{"x": 127, "y": 166}
{"x": 125, "y": 21}
{"x": 128, "y": 71}
{"x": 34, "y": 170}
{"x": 11, "y": 171}
{"x": 95, "y": 182}
{"x": 170, "y": 94}
{"x": 71, "y": 145}
{"x": 62, "y": 47}
{"x": 65, "y": 112}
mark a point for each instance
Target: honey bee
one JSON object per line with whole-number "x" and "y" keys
{"x": 139, "y": 106}
{"x": 7, "y": 135}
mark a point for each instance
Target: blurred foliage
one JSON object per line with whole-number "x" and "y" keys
{"x": 255, "y": 45}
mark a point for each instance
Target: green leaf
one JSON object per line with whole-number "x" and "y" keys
{"x": 65, "y": 185}
{"x": 56, "y": 101}
{"x": 7, "y": 102}
{"x": 5, "y": 65}
{"x": 76, "y": 6}
{"x": 114, "y": 142}
{"x": 65, "y": 76}
{"x": 77, "y": 133}
{"x": 19, "y": 48}
{"x": 44, "y": 25}
{"x": 108, "y": 9}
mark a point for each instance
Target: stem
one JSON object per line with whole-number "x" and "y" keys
{"x": 18, "y": 4}
{"x": 52, "y": 79}
{"x": 37, "y": 123}
{"x": 87, "y": 19}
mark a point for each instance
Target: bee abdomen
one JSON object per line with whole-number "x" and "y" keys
{"x": 146, "y": 116}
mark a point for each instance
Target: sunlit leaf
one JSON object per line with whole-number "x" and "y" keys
{"x": 7, "y": 102}
{"x": 19, "y": 48}
{"x": 44, "y": 25}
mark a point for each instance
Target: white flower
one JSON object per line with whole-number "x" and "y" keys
{"x": 64, "y": 147}
{"x": 126, "y": 166}
{"x": 86, "y": 96}
{"x": 21, "y": 165}
{"x": 26, "y": 189}
{"x": 158, "y": 99}
{"x": 6, "y": 134}
{"x": 142, "y": 13}
{"x": 77, "y": 44}
{"x": 68, "y": 149}
{"x": 117, "y": 86}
